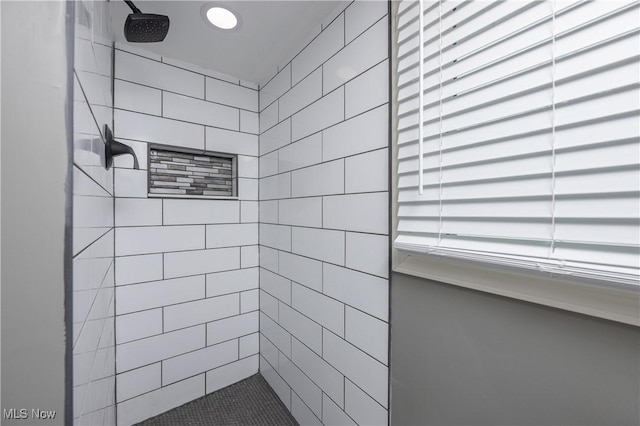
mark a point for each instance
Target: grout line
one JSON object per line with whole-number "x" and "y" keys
{"x": 161, "y": 61}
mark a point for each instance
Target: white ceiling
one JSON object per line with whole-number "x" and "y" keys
{"x": 269, "y": 32}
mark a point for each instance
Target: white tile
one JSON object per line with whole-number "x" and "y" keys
{"x": 305, "y": 330}
{"x": 275, "y": 236}
{"x": 136, "y": 269}
{"x": 277, "y": 384}
{"x": 301, "y": 384}
{"x": 269, "y": 258}
{"x": 367, "y": 172}
{"x": 130, "y": 183}
{"x": 249, "y": 301}
{"x": 96, "y": 88}
{"x": 269, "y": 117}
{"x": 232, "y": 328}
{"x": 321, "y": 244}
{"x": 233, "y": 95}
{"x": 153, "y": 349}
{"x": 358, "y": 56}
{"x": 248, "y": 166}
{"x": 87, "y": 238}
{"x": 101, "y": 248}
{"x": 322, "y": 179}
{"x": 230, "y": 142}
{"x": 362, "y": 133}
{"x": 100, "y": 394}
{"x": 135, "y": 97}
{"x": 232, "y": 373}
{"x": 269, "y": 211}
{"x": 126, "y": 161}
{"x": 151, "y": 404}
{"x": 322, "y": 373}
{"x": 91, "y": 273}
{"x": 348, "y": 212}
{"x": 155, "y": 74}
{"x": 269, "y": 164}
{"x": 92, "y": 212}
{"x": 367, "y": 333}
{"x": 232, "y": 281}
{"x": 362, "y": 408}
{"x": 199, "y": 361}
{"x": 249, "y": 122}
{"x": 138, "y": 212}
{"x": 248, "y": 189}
{"x": 320, "y": 308}
{"x": 319, "y": 50}
{"x": 360, "y": 15}
{"x": 249, "y": 345}
{"x": 275, "y": 88}
{"x": 368, "y": 253}
{"x": 269, "y": 351}
{"x": 137, "y": 51}
{"x": 369, "y": 90}
{"x": 301, "y": 95}
{"x": 198, "y": 111}
{"x": 240, "y": 234}
{"x": 302, "y": 153}
{"x": 138, "y": 381}
{"x": 365, "y": 292}
{"x": 268, "y": 305}
{"x": 201, "y": 262}
{"x": 186, "y": 212}
{"x": 138, "y": 297}
{"x": 83, "y": 185}
{"x": 335, "y": 13}
{"x": 301, "y": 212}
{"x": 320, "y": 115}
{"x": 250, "y": 255}
{"x": 275, "y": 285}
{"x": 275, "y": 187}
{"x": 302, "y": 413}
{"x": 276, "y": 137}
{"x": 359, "y": 367}
{"x": 199, "y": 70}
{"x": 138, "y": 325}
{"x": 302, "y": 270}
{"x": 200, "y": 311}
{"x": 150, "y": 239}
{"x": 148, "y": 128}
{"x": 276, "y": 334}
{"x": 332, "y": 414}
{"x": 249, "y": 211}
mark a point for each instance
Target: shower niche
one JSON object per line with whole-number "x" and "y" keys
{"x": 188, "y": 173}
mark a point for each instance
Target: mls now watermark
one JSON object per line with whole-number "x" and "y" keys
{"x": 23, "y": 413}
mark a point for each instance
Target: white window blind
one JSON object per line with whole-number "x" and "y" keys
{"x": 519, "y": 134}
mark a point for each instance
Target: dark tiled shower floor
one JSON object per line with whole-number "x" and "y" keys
{"x": 249, "y": 402}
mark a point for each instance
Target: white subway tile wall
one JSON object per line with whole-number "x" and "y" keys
{"x": 94, "y": 375}
{"x": 187, "y": 275}
{"x": 324, "y": 237}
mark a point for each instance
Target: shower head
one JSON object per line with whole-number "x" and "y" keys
{"x": 145, "y": 27}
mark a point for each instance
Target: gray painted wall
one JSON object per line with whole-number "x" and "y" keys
{"x": 464, "y": 357}
{"x": 34, "y": 175}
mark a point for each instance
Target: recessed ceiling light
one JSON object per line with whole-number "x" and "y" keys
{"x": 222, "y": 18}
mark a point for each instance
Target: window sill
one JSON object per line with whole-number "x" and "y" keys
{"x": 589, "y": 298}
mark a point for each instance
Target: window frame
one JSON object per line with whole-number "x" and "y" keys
{"x": 589, "y": 297}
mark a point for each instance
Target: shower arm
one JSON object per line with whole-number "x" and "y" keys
{"x": 132, "y": 6}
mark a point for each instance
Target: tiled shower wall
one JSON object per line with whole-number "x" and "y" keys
{"x": 93, "y": 264}
{"x": 324, "y": 203}
{"x": 186, "y": 269}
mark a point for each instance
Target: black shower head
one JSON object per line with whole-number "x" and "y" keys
{"x": 145, "y": 27}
